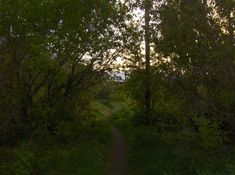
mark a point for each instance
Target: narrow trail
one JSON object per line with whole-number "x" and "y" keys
{"x": 118, "y": 155}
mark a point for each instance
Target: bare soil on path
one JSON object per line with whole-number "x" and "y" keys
{"x": 117, "y": 161}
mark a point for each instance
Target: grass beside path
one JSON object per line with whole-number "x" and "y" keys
{"x": 86, "y": 155}
{"x": 150, "y": 154}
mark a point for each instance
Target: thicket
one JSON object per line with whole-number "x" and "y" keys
{"x": 192, "y": 71}
{"x": 52, "y": 56}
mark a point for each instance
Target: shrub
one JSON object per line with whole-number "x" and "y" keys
{"x": 67, "y": 131}
{"x": 24, "y": 163}
{"x": 210, "y": 135}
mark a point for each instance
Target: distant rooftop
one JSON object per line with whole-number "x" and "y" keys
{"x": 119, "y": 76}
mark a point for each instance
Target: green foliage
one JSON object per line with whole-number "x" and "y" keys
{"x": 191, "y": 72}
{"x": 54, "y": 53}
{"x": 49, "y": 70}
{"x": 210, "y": 135}
{"x": 24, "y": 164}
{"x": 194, "y": 43}
{"x": 151, "y": 154}
{"x": 226, "y": 98}
{"x": 135, "y": 87}
{"x": 83, "y": 154}
{"x": 67, "y": 131}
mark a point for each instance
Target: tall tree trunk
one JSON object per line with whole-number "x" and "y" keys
{"x": 147, "y": 58}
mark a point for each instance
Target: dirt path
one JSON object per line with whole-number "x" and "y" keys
{"x": 118, "y": 154}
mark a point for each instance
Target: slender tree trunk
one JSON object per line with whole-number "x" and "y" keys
{"x": 147, "y": 58}
{"x": 230, "y": 27}
{"x": 231, "y": 43}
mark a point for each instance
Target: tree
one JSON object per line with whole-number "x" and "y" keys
{"x": 51, "y": 56}
{"x": 147, "y": 6}
{"x": 194, "y": 44}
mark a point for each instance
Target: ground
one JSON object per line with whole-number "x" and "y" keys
{"x": 114, "y": 146}
{"x": 117, "y": 161}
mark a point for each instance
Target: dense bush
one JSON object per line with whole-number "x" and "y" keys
{"x": 48, "y": 69}
{"x": 192, "y": 70}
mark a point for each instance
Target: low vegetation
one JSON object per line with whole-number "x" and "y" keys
{"x": 162, "y": 72}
